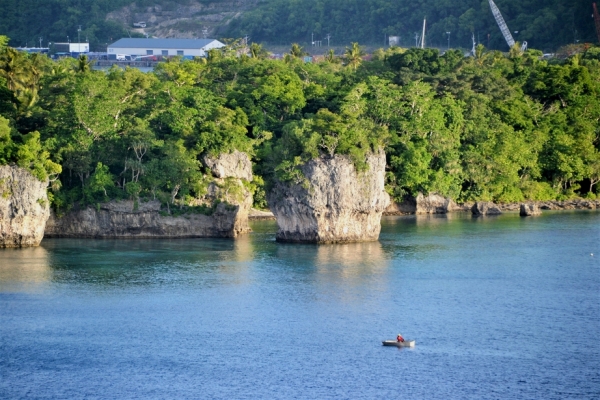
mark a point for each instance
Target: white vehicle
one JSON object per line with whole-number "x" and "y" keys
{"x": 122, "y": 57}
{"x": 139, "y": 24}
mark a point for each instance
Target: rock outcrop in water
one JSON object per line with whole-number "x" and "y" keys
{"x": 335, "y": 204}
{"x": 485, "y": 208}
{"x": 529, "y": 209}
{"x": 222, "y": 212}
{"x": 24, "y": 207}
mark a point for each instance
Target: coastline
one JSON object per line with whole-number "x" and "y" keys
{"x": 409, "y": 208}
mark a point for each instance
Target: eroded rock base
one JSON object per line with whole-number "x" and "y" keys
{"x": 122, "y": 220}
{"x": 336, "y": 204}
{"x": 24, "y": 208}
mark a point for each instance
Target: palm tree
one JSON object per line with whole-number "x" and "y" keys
{"x": 13, "y": 68}
{"x": 515, "y": 51}
{"x": 297, "y": 51}
{"x": 27, "y": 99}
{"x": 330, "y": 56}
{"x": 83, "y": 64}
{"x": 257, "y": 51}
{"x": 480, "y": 54}
{"x": 3, "y": 42}
{"x": 354, "y": 55}
{"x": 213, "y": 55}
{"x": 38, "y": 64}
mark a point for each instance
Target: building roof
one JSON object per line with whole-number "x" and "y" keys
{"x": 162, "y": 43}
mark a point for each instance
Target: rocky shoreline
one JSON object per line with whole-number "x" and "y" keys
{"x": 124, "y": 219}
{"x": 404, "y": 209}
{"x": 336, "y": 204}
{"x": 436, "y": 204}
{"x": 226, "y": 204}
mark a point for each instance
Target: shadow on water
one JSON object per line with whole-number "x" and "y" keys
{"x": 129, "y": 262}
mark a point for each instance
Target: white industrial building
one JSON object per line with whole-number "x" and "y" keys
{"x": 72, "y": 47}
{"x": 162, "y": 47}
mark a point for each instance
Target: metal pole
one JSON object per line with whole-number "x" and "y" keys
{"x": 448, "y": 33}
{"x": 423, "y": 34}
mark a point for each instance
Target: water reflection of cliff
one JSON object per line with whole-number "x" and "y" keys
{"x": 342, "y": 269}
{"x": 27, "y": 268}
{"x": 350, "y": 261}
{"x": 353, "y": 257}
{"x": 243, "y": 248}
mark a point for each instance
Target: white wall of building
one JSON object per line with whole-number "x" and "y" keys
{"x": 79, "y": 47}
{"x": 158, "y": 51}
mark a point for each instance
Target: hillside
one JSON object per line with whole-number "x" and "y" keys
{"x": 189, "y": 20}
{"x": 25, "y": 21}
{"x": 545, "y": 24}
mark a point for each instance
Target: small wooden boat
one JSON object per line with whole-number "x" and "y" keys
{"x": 406, "y": 343}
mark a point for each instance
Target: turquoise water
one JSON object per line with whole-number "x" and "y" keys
{"x": 500, "y": 307}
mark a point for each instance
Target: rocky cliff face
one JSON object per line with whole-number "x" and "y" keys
{"x": 229, "y": 198}
{"x": 24, "y": 207}
{"x": 432, "y": 203}
{"x": 166, "y": 19}
{"x": 337, "y": 203}
{"x": 122, "y": 219}
{"x": 230, "y": 165}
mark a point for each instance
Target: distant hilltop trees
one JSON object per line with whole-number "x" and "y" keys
{"x": 544, "y": 24}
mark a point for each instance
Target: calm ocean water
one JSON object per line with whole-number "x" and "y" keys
{"x": 501, "y": 307}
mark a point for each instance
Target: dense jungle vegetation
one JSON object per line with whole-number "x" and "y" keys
{"x": 492, "y": 127}
{"x": 545, "y": 24}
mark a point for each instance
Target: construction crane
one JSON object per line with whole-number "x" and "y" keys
{"x": 504, "y": 28}
{"x": 596, "y": 20}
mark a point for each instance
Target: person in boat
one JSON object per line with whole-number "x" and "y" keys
{"x": 400, "y": 338}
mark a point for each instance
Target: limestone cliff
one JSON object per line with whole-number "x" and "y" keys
{"x": 336, "y": 204}
{"x": 230, "y": 165}
{"x": 122, "y": 219}
{"x": 24, "y": 207}
{"x": 227, "y": 203}
{"x": 432, "y": 203}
